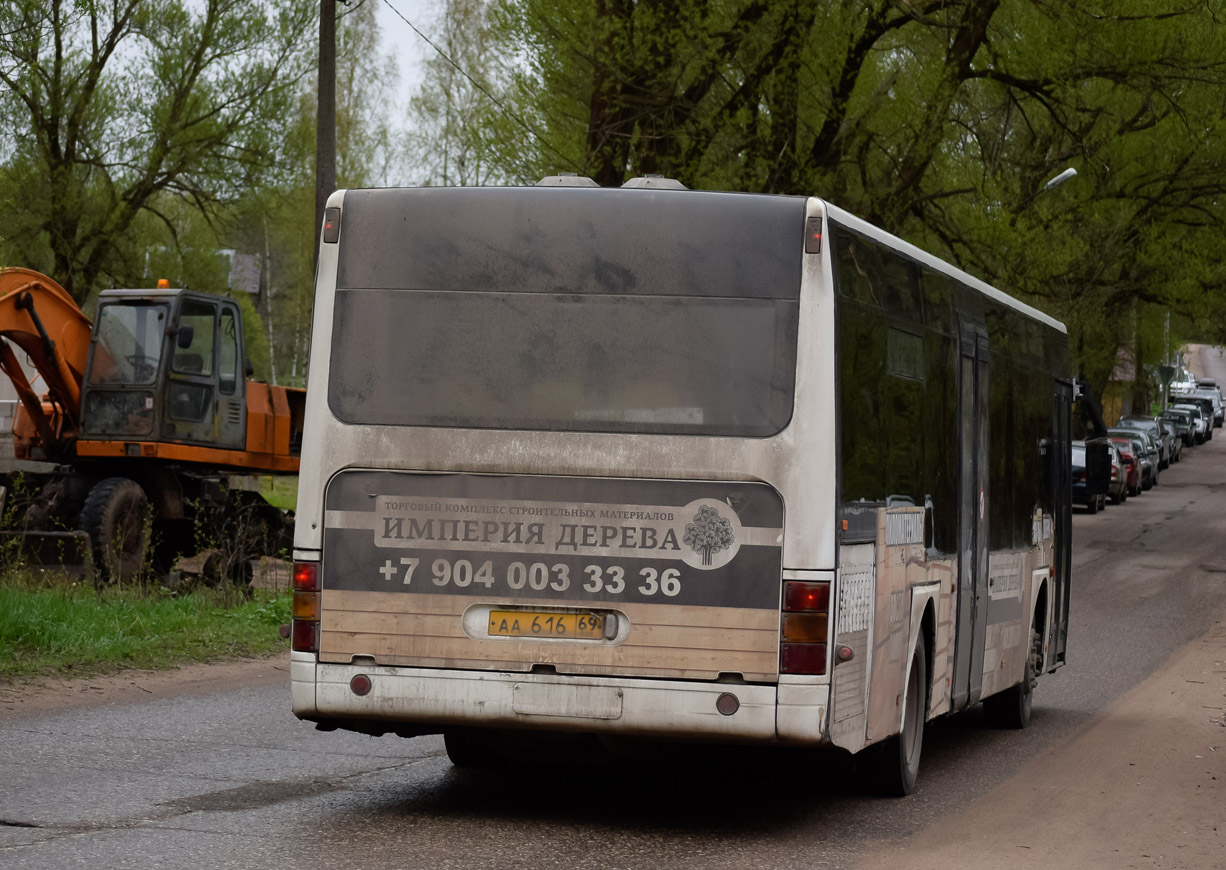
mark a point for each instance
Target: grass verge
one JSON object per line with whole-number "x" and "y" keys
{"x": 53, "y": 626}
{"x": 280, "y": 490}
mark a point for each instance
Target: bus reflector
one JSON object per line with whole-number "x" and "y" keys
{"x": 803, "y": 627}
{"x": 360, "y": 685}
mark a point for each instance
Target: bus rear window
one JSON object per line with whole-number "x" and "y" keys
{"x": 564, "y": 362}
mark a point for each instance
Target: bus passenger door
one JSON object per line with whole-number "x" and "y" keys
{"x": 973, "y": 362}
{"x": 1061, "y": 486}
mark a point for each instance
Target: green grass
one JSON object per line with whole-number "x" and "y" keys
{"x": 280, "y": 491}
{"x": 57, "y": 627}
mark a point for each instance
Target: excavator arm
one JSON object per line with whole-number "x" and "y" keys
{"x": 42, "y": 319}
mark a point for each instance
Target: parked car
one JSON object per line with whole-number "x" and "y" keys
{"x": 1185, "y": 428}
{"x": 1117, "y": 489}
{"x": 1146, "y": 448}
{"x": 1214, "y": 397}
{"x": 1203, "y": 404}
{"x": 1081, "y": 493}
{"x": 1176, "y": 440}
{"x": 1132, "y": 464}
{"x": 1200, "y": 426}
{"x": 1152, "y": 425}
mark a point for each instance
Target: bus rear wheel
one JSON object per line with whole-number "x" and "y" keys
{"x": 473, "y": 748}
{"x": 1011, "y": 708}
{"x": 896, "y": 761}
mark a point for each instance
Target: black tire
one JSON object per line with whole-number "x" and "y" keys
{"x": 1119, "y": 497}
{"x": 1092, "y": 504}
{"x": 473, "y": 748}
{"x": 1011, "y": 708}
{"x": 896, "y": 761}
{"x": 115, "y": 517}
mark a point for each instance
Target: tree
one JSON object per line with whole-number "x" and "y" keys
{"x": 460, "y": 131}
{"x": 939, "y": 120}
{"x": 117, "y": 109}
{"x": 277, "y": 220}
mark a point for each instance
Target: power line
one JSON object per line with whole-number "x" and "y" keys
{"x": 501, "y": 106}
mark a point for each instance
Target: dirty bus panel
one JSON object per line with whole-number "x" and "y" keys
{"x": 575, "y": 461}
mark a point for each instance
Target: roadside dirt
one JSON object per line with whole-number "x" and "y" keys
{"x": 56, "y": 694}
{"x": 1141, "y": 786}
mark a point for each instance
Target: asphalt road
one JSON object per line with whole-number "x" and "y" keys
{"x": 224, "y": 776}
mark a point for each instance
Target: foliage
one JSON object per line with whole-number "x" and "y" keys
{"x": 459, "y": 131}
{"x": 115, "y": 110}
{"x": 280, "y": 491}
{"x": 939, "y": 120}
{"x": 277, "y": 220}
{"x": 50, "y": 624}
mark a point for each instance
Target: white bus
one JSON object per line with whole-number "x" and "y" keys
{"x": 667, "y": 464}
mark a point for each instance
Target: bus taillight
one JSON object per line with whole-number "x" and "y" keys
{"x": 804, "y": 625}
{"x": 304, "y": 632}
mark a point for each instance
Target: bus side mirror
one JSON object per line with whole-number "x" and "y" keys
{"x": 248, "y": 368}
{"x": 186, "y": 334}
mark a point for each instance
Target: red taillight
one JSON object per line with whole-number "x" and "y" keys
{"x": 305, "y": 636}
{"x": 803, "y": 627}
{"x": 802, "y": 658}
{"x": 306, "y": 576}
{"x": 304, "y": 633}
{"x": 798, "y": 596}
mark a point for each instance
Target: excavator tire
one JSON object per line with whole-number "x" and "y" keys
{"x": 114, "y": 516}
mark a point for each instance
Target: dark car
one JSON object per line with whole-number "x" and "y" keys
{"x": 1153, "y": 426}
{"x": 1209, "y": 403}
{"x": 1185, "y": 427}
{"x": 1117, "y": 489}
{"x": 1176, "y": 440}
{"x": 1081, "y": 493}
{"x": 1202, "y": 428}
{"x": 1132, "y": 465}
{"x": 1146, "y": 450}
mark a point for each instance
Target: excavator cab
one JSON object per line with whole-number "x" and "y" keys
{"x": 165, "y": 366}
{"x": 146, "y": 410}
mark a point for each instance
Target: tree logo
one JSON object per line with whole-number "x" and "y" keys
{"x": 708, "y": 534}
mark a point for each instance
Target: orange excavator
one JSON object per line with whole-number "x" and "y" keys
{"x": 147, "y": 422}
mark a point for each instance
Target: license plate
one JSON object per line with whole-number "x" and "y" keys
{"x": 531, "y": 623}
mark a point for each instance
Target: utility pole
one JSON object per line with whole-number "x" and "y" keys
{"x": 325, "y": 121}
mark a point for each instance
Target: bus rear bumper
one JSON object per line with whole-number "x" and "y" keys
{"x": 425, "y": 700}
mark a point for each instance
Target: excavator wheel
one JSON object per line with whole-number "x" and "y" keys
{"x": 114, "y": 516}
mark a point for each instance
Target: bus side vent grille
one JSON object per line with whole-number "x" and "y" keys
{"x": 904, "y": 527}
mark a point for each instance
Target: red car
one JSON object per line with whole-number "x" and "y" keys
{"x": 1132, "y": 468}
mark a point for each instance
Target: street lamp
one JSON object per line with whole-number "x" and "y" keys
{"x": 1055, "y": 182}
{"x": 1060, "y": 179}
